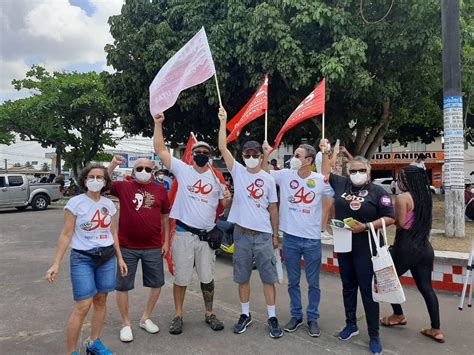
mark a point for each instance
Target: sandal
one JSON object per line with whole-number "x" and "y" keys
{"x": 385, "y": 321}
{"x": 439, "y": 337}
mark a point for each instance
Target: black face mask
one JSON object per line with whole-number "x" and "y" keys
{"x": 201, "y": 159}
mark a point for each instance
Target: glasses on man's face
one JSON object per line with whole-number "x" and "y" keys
{"x": 140, "y": 169}
{"x": 355, "y": 171}
{"x": 297, "y": 156}
{"x": 98, "y": 177}
{"x": 203, "y": 152}
{"x": 255, "y": 156}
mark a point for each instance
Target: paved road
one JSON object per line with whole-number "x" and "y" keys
{"x": 33, "y": 314}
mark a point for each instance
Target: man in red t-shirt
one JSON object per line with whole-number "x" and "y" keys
{"x": 144, "y": 211}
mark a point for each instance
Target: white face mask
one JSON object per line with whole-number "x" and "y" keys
{"x": 94, "y": 185}
{"x": 251, "y": 163}
{"x": 142, "y": 176}
{"x": 359, "y": 179}
{"x": 161, "y": 176}
{"x": 472, "y": 191}
{"x": 295, "y": 163}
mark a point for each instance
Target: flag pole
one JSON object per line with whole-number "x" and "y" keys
{"x": 323, "y": 123}
{"x": 210, "y": 168}
{"x": 218, "y": 91}
{"x": 266, "y": 125}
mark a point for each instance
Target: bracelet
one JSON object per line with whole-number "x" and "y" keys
{"x": 367, "y": 226}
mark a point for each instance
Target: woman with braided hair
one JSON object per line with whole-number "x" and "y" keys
{"x": 412, "y": 249}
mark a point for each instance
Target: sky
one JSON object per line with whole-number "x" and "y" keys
{"x": 57, "y": 34}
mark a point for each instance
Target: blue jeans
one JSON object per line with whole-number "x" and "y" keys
{"x": 293, "y": 248}
{"x": 87, "y": 279}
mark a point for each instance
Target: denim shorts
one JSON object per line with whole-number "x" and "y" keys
{"x": 258, "y": 247}
{"x": 152, "y": 268}
{"x": 87, "y": 279}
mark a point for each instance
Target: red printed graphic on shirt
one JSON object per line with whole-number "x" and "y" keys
{"x": 301, "y": 197}
{"x": 200, "y": 188}
{"x": 99, "y": 220}
{"x": 256, "y": 192}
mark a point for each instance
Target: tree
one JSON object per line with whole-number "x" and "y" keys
{"x": 17, "y": 165}
{"x": 28, "y": 164}
{"x": 45, "y": 167}
{"x": 68, "y": 111}
{"x": 382, "y": 79}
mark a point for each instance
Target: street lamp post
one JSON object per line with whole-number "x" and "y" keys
{"x": 453, "y": 120}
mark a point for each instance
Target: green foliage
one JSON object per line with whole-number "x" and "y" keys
{"x": 17, "y": 165}
{"x": 297, "y": 42}
{"x": 45, "y": 167}
{"x": 69, "y": 111}
{"x": 28, "y": 164}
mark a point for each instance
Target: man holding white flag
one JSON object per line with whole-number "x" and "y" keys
{"x": 190, "y": 66}
{"x": 301, "y": 193}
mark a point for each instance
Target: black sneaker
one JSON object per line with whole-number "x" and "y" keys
{"x": 176, "y": 326}
{"x": 293, "y": 324}
{"x": 275, "y": 330}
{"x": 313, "y": 329}
{"x": 243, "y": 323}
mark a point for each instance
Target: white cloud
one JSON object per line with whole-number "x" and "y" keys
{"x": 52, "y": 33}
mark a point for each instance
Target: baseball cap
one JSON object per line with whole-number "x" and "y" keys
{"x": 201, "y": 144}
{"x": 252, "y": 145}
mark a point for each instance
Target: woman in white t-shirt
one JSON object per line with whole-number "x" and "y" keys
{"x": 89, "y": 229}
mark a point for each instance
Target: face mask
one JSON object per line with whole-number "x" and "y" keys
{"x": 359, "y": 179}
{"x": 472, "y": 191}
{"x": 161, "y": 176}
{"x": 251, "y": 163}
{"x": 94, "y": 185}
{"x": 295, "y": 163}
{"x": 201, "y": 159}
{"x": 142, "y": 176}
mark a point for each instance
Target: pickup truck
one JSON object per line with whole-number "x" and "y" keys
{"x": 17, "y": 191}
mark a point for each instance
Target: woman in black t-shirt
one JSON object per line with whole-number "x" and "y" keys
{"x": 355, "y": 196}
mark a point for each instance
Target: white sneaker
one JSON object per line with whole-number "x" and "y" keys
{"x": 149, "y": 326}
{"x": 126, "y": 334}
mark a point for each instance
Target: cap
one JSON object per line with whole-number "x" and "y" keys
{"x": 201, "y": 144}
{"x": 252, "y": 145}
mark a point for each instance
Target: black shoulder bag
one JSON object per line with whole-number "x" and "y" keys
{"x": 213, "y": 237}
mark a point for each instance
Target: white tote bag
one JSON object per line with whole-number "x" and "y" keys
{"x": 386, "y": 286}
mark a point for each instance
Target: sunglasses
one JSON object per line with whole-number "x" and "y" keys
{"x": 203, "y": 152}
{"x": 140, "y": 169}
{"x": 355, "y": 171}
{"x": 247, "y": 156}
{"x": 98, "y": 178}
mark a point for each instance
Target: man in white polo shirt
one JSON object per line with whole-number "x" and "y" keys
{"x": 255, "y": 214}
{"x": 194, "y": 208}
{"x": 301, "y": 193}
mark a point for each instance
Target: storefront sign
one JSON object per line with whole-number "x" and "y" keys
{"x": 406, "y": 157}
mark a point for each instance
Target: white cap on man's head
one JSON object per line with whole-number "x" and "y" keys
{"x": 201, "y": 144}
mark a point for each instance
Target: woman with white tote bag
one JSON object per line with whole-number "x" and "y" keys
{"x": 412, "y": 249}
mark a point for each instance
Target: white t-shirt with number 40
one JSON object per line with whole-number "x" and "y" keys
{"x": 197, "y": 197}
{"x": 301, "y": 202}
{"x": 252, "y": 195}
{"x": 93, "y": 222}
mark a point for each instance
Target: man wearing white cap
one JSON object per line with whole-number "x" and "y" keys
{"x": 194, "y": 209}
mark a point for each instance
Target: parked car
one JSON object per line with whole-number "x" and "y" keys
{"x": 386, "y": 185}
{"x": 16, "y": 191}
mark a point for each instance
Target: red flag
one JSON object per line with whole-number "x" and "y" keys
{"x": 256, "y": 107}
{"x": 190, "y": 66}
{"x": 312, "y": 106}
{"x": 188, "y": 159}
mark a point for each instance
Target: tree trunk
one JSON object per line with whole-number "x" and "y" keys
{"x": 378, "y": 140}
{"x": 58, "y": 160}
{"x": 375, "y": 129}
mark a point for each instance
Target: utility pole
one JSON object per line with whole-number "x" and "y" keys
{"x": 453, "y": 120}
{"x": 6, "y": 165}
